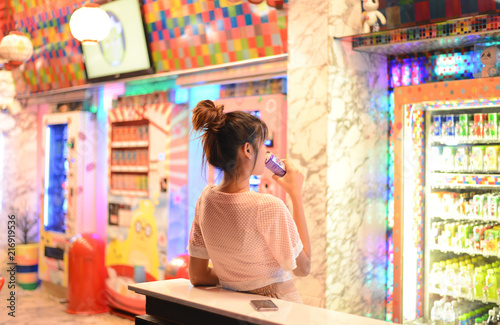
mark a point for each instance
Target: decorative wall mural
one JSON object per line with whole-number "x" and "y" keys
{"x": 181, "y": 35}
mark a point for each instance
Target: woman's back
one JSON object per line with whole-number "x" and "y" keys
{"x": 250, "y": 237}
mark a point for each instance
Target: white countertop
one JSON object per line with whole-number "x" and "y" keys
{"x": 237, "y": 305}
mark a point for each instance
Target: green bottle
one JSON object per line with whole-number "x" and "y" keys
{"x": 479, "y": 282}
{"x": 497, "y": 274}
{"x": 492, "y": 284}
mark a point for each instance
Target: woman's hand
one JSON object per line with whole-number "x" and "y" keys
{"x": 200, "y": 274}
{"x": 292, "y": 181}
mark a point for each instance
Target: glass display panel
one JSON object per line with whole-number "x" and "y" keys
{"x": 56, "y": 173}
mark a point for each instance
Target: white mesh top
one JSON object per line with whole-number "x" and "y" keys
{"x": 250, "y": 237}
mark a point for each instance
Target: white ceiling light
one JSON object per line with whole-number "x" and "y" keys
{"x": 16, "y": 48}
{"x": 90, "y": 24}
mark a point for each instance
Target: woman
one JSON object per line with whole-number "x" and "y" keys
{"x": 251, "y": 238}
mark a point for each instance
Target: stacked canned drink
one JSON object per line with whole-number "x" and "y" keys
{"x": 477, "y": 126}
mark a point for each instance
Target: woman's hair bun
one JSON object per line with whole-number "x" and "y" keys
{"x": 206, "y": 115}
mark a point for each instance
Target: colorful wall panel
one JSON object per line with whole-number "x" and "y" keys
{"x": 57, "y": 60}
{"x": 466, "y": 28}
{"x": 162, "y": 203}
{"x": 182, "y": 34}
{"x": 190, "y": 34}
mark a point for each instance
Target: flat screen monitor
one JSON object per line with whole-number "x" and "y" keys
{"x": 124, "y": 53}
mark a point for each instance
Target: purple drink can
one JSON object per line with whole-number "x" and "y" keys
{"x": 275, "y": 165}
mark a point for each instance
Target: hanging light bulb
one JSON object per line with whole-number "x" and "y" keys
{"x": 15, "y": 49}
{"x": 90, "y": 24}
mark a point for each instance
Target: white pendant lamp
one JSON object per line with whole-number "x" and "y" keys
{"x": 15, "y": 49}
{"x": 90, "y": 24}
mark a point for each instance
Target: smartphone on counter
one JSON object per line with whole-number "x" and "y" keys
{"x": 263, "y": 305}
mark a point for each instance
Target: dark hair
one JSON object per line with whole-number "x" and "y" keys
{"x": 224, "y": 134}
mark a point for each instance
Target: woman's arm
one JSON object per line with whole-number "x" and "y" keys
{"x": 292, "y": 184}
{"x": 304, "y": 259}
{"x": 200, "y": 274}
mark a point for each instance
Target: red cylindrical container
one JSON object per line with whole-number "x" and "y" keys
{"x": 86, "y": 275}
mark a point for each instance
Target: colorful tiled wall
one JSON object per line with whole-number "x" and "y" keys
{"x": 182, "y": 34}
{"x": 405, "y": 13}
{"x": 415, "y": 69}
{"x": 459, "y": 27}
{"x": 57, "y": 61}
{"x": 190, "y": 34}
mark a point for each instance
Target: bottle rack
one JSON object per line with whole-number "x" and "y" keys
{"x": 463, "y": 172}
{"x": 129, "y": 160}
{"x": 484, "y": 300}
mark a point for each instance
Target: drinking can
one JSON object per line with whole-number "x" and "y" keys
{"x": 274, "y": 164}
{"x": 491, "y": 130}
{"x": 465, "y": 120}
{"x": 451, "y": 121}
{"x": 437, "y": 124}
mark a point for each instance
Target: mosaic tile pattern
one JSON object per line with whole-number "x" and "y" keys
{"x": 457, "y": 27}
{"x": 464, "y": 103}
{"x": 57, "y": 61}
{"x": 181, "y": 34}
{"x": 191, "y": 34}
{"x": 456, "y": 64}
{"x": 404, "y": 13}
{"x": 442, "y": 179}
{"x": 416, "y": 120}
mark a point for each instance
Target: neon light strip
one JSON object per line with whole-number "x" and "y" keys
{"x": 406, "y": 73}
{"x": 390, "y": 214}
{"x": 402, "y": 72}
{"x": 417, "y": 129}
{"x": 453, "y": 64}
{"x": 47, "y": 166}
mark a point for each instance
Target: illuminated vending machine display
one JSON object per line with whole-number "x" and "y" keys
{"x": 147, "y": 203}
{"x": 68, "y": 188}
{"x": 446, "y": 202}
{"x": 272, "y": 110}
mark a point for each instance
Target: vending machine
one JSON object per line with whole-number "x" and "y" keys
{"x": 272, "y": 110}
{"x": 446, "y": 202}
{"x": 147, "y": 202}
{"x": 69, "y": 162}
